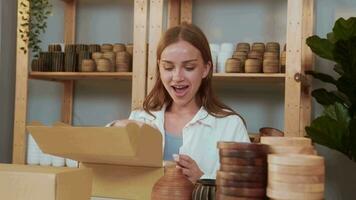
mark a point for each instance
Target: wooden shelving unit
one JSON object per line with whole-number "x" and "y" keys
{"x": 299, "y": 58}
{"x": 300, "y": 22}
{"x": 64, "y": 76}
{"x": 137, "y": 76}
{"x": 257, "y": 77}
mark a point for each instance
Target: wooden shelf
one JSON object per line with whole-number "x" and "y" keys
{"x": 60, "y": 76}
{"x": 256, "y": 77}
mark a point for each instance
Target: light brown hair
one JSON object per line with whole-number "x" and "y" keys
{"x": 159, "y": 95}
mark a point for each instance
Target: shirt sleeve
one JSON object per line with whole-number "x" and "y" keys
{"x": 232, "y": 129}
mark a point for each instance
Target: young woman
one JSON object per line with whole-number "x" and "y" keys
{"x": 183, "y": 107}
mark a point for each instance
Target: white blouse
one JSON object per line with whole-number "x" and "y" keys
{"x": 200, "y": 136}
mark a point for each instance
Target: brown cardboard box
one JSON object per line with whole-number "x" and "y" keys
{"x": 126, "y": 161}
{"x": 19, "y": 182}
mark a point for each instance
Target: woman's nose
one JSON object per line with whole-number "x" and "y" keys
{"x": 178, "y": 75}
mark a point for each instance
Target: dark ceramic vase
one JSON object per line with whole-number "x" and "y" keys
{"x": 172, "y": 186}
{"x": 204, "y": 190}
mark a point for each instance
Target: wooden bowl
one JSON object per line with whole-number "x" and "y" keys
{"x": 276, "y": 149}
{"x": 103, "y": 65}
{"x": 243, "y": 146}
{"x": 255, "y": 55}
{"x": 88, "y": 65}
{"x": 269, "y": 131}
{"x": 286, "y": 141}
{"x": 241, "y": 153}
{"x": 297, "y": 170}
{"x": 295, "y": 160}
{"x": 243, "y": 169}
{"x": 244, "y": 161}
{"x": 232, "y": 183}
{"x": 119, "y": 47}
{"x": 296, "y": 187}
{"x": 241, "y": 177}
{"x": 129, "y": 49}
{"x": 106, "y": 47}
{"x": 281, "y": 194}
{"x": 233, "y": 65}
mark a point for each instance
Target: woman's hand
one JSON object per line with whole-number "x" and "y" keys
{"x": 189, "y": 167}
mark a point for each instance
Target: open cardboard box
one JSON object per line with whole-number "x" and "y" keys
{"x": 18, "y": 182}
{"x": 126, "y": 161}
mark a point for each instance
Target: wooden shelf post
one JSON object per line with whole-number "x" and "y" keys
{"x": 293, "y": 88}
{"x": 22, "y": 61}
{"x": 69, "y": 38}
{"x": 140, "y": 53}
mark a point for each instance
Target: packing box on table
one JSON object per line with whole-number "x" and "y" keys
{"x": 126, "y": 161}
{"x": 19, "y": 182}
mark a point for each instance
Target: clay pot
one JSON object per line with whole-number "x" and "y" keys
{"x": 204, "y": 189}
{"x": 172, "y": 186}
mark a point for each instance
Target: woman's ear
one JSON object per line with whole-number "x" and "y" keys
{"x": 207, "y": 69}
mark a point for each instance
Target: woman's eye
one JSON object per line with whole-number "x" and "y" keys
{"x": 167, "y": 67}
{"x": 190, "y": 68}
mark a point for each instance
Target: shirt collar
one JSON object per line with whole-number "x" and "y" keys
{"x": 202, "y": 116}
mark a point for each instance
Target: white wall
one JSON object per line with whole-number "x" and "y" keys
{"x": 98, "y": 102}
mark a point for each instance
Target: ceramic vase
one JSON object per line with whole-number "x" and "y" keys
{"x": 172, "y": 186}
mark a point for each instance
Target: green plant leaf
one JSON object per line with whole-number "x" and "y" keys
{"x": 348, "y": 87}
{"x": 353, "y": 138}
{"x": 338, "y": 69}
{"x": 338, "y": 112}
{"x": 330, "y": 36}
{"x": 328, "y": 132}
{"x": 345, "y": 29}
{"x": 324, "y": 97}
{"x": 321, "y": 47}
{"x": 345, "y": 54}
{"x": 321, "y": 76}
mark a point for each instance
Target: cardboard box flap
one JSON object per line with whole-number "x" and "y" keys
{"x": 129, "y": 145}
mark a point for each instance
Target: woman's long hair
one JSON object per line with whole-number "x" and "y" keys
{"x": 159, "y": 95}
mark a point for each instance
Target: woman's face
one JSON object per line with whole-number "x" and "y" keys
{"x": 182, "y": 69}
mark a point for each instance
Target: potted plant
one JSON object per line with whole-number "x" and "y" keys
{"x": 336, "y": 127}
{"x": 35, "y": 23}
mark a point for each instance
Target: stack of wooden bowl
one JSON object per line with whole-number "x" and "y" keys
{"x": 295, "y": 177}
{"x": 37, "y": 65}
{"x": 271, "y": 58}
{"x": 54, "y": 48}
{"x": 287, "y": 145}
{"x": 81, "y": 47}
{"x": 94, "y": 48}
{"x": 70, "y": 58}
{"x": 46, "y": 59}
{"x": 106, "y": 47}
{"x": 111, "y": 56}
{"x": 82, "y": 55}
{"x": 240, "y": 53}
{"x": 119, "y": 47}
{"x": 233, "y": 65}
{"x": 123, "y": 61}
{"x": 88, "y": 65}
{"x": 258, "y": 46}
{"x": 283, "y": 61}
{"x": 103, "y": 65}
{"x": 129, "y": 49}
{"x": 57, "y": 61}
{"x": 253, "y": 65}
{"x": 243, "y": 171}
